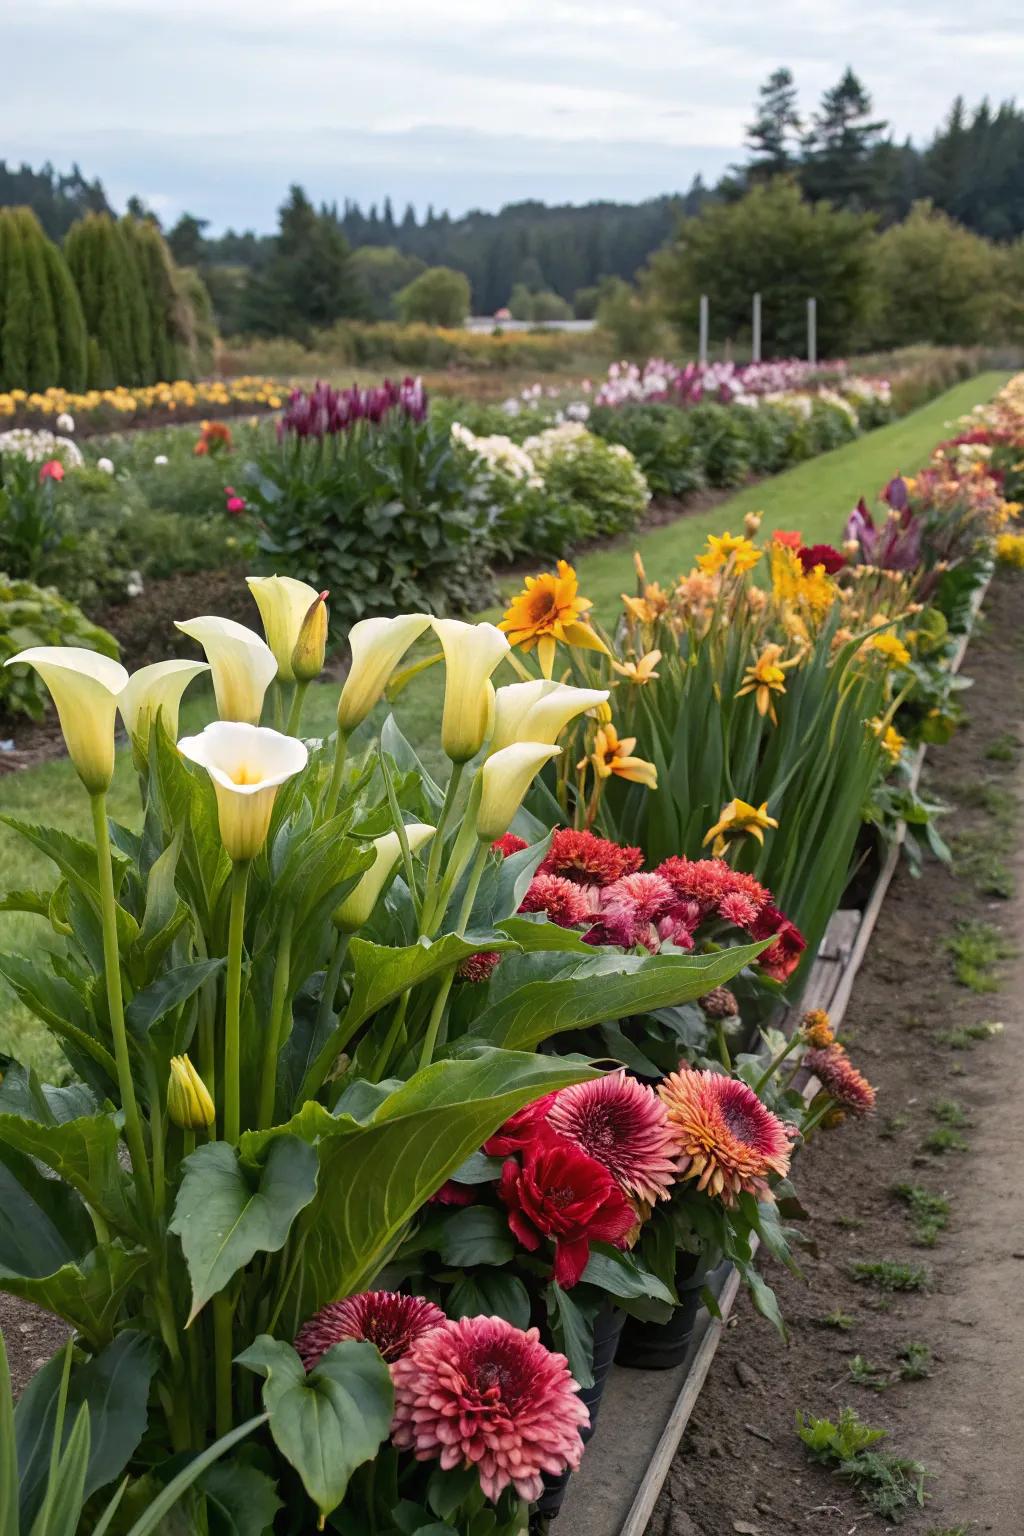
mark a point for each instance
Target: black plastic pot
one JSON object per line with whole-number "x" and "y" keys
{"x": 662, "y": 1346}
{"x": 607, "y": 1330}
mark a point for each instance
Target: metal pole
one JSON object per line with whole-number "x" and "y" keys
{"x": 812, "y": 330}
{"x": 755, "y": 331}
{"x": 703, "y": 349}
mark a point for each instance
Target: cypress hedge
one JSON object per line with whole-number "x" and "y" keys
{"x": 42, "y": 327}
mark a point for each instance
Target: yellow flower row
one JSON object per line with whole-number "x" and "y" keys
{"x": 181, "y": 395}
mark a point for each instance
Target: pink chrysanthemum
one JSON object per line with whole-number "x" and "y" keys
{"x": 564, "y": 902}
{"x": 385, "y": 1318}
{"x": 737, "y": 908}
{"x": 509, "y": 843}
{"x": 478, "y": 1392}
{"x": 588, "y": 859}
{"x": 624, "y": 926}
{"x": 730, "y": 1141}
{"x": 840, "y": 1079}
{"x": 709, "y": 881}
{"x": 649, "y": 895}
{"x": 478, "y": 967}
{"x": 623, "y": 1125}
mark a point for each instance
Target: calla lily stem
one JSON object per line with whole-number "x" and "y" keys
{"x": 334, "y": 788}
{"x": 278, "y": 1006}
{"x": 233, "y": 1006}
{"x": 295, "y": 713}
{"x": 465, "y": 912}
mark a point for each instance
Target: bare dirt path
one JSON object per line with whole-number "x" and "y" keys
{"x": 950, "y": 1123}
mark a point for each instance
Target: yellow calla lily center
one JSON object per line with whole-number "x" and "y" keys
{"x": 243, "y": 665}
{"x": 248, "y": 764}
{"x": 358, "y": 905}
{"x": 738, "y": 819}
{"x": 548, "y": 610}
{"x": 85, "y": 688}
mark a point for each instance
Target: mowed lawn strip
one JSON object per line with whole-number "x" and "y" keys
{"x": 815, "y": 497}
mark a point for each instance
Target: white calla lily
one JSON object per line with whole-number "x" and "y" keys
{"x": 471, "y": 653}
{"x": 377, "y": 646}
{"x": 504, "y": 779}
{"x": 242, "y": 664}
{"x": 283, "y": 603}
{"x": 248, "y": 764}
{"x": 152, "y": 691}
{"x": 539, "y": 711}
{"x": 84, "y": 687}
{"x": 355, "y": 910}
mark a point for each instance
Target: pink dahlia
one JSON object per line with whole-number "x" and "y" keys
{"x": 625, "y": 1127}
{"x": 589, "y": 859}
{"x": 730, "y": 1142}
{"x": 478, "y": 1392}
{"x": 738, "y": 909}
{"x": 561, "y": 1193}
{"x": 840, "y": 1079}
{"x": 709, "y": 882}
{"x": 520, "y": 1129}
{"x": 508, "y": 844}
{"x": 562, "y": 900}
{"x": 385, "y": 1318}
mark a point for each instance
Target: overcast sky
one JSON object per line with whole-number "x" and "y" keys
{"x": 460, "y": 103}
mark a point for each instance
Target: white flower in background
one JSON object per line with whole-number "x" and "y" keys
{"x": 500, "y": 454}
{"x": 135, "y": 586}
{"x": 65, "y": 423}
{"x": 161, "y": 458}
{"x": 38, "y": 446}
{"x": 578, "y": 410}
{"x": 107, "y": 466}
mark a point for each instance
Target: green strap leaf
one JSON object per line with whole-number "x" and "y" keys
{"x": 168, "y": 992}
{"x": 84, "y": 1152}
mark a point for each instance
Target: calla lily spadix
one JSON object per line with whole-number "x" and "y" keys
{"x": 471, "y": 653}
{"x": 504, "y": 779}
{"x": 539, "y": 711}
{"x": 84, "y": 687}
{"x": 153, "y": 691}
{"x": 242, "y": 664}
{"x": 284, "y": 604}
{"x": 355, "y": 910}
{"x": 248, "y": 764}
{"x": 377, "y": 646}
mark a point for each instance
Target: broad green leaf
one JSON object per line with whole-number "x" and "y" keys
{"x": 168, "y": 991}
{"x": 242, "y": 1499}
{"x": 531, "y": 930}
{"x": 224, "y": 1213}
{"x": 75, "y": 858}
{"x": 607, "y": 987}
{"x": 573, "y": 1331}
{"x": 478, "y": 1234}
{"x": 115, "y": 1385}
{"x": 329, "y": 1421}
{"x": 21, "y": 1093}
{"x": 622, "y": 1275}
{"x": 87, "y": 1293}
{"x": 26, "y": 901}
{"x": 490, "y": 1293}
{"x": 84, "y": 1152}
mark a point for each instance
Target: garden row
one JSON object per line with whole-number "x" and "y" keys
{"x": 386, "y": 1208}
{"x": 383, "y": 501}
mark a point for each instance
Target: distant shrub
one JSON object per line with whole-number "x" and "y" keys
{"x": 32, "y": 615}
{"x": 438, "y": 296}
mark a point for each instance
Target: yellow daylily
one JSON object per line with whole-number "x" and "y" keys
{"x": 738, "y": 818}
{"x": 358, "y": 905}
{"x": 85, "y": 688}
{"x": 152, "y": 691}
{"x": 728, "y": 549}
{"x": 890, "y": 647}
{"x": 189, "y": 1104}
{"x": 248, "y": 764}
{"x": 504, "y": 779}
{"x": 548, "y": 610}
{"x": 242, "y": 664}
{"x": 377, "y": 646}
{"x": 892, "y": 743}
{"x": 539, "y": 711}
{"x": 471, "y": 653}
{"x": 765, "y": 678}
{"x": 639, "y": 672}
{"x": 284, "y": 604}
{"x": 612, "y": 755}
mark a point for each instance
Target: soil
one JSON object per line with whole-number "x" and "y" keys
{"x": 741, "y": 1467}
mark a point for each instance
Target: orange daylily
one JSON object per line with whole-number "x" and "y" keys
{"x": 612, "y": 754}
{"x": 548, "y": 610}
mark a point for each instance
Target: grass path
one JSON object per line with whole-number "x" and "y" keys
{"x": 814, "y": 497}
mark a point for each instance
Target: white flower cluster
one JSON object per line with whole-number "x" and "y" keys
{"x": 500, "y": 453}
{"x": 567, "y": 437}
{"x": 39, "y": 445}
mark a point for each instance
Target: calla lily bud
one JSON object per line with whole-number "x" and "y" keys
{"x": 284, "y": 604}
{"x": 311, "y": 646}
{"x": 471, "y": 653}
{"x": 355, "y": 910}
{"x": 153, "y": 691}
{"x": 188, "y": 1100}
{"x": 248, "y": 764}
{"x": 85, "y": 688}
{"x": 242, "y": 664}
{"x": 377, "y": 646}
{"x": 539, "y": 711}
{"x": 504, "y": 779}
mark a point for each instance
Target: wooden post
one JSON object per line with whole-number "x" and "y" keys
{"x": 812, "y": 330}
{"x": 703, "y": 348}
{"x": 755, "y": 331}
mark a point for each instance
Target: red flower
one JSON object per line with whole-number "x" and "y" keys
{"x": 53, "y": 469}
{"x": 453, "y": 1193}
{"x": 520, "y": 1129}
{"x": 791, "y": 540}
{"x": 235, "y": 505}
{"x": 479, "y": 1392}
{"x": 821, "y": 554}
{"x": 508, "y": 844}
{"x": 780, "y": 959}
{"x": 561, "y": 1193}
{"x": 562, "y": 900}
{"x": 709, "y": 881}
{"x": 623, "y": 1125}
{"x": 840, "y": 1079}
{"x": 587, "y": 859}
{"x": 390, "y": 1321}
{"x": 478, "y": 967}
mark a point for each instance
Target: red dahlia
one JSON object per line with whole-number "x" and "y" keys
{"x": 478, "y": 967}
{"x": 588, "y": 859}
{"x": 561, "y": 1193}
{"x": 821, "y": 554}
{"x": 385, "y": 1318}
{"x": 780, "y": 959}
{"x": 520, "y": 1129}
{"x": 709, "y": 882}
{"x": 508, "y": 843}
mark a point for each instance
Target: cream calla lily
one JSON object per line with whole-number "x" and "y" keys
{"x": 539, "y": 711}
{"x": 248, "y": 764}
{"x": 504, "y": 779}
{"x": 355, "y": 910}
{"x": 377, "y": 646}
{"x": 156, "y": 690}
{"x": 242, "y": 664}
{"x": 283, "y": 603}
{"x": 471, "y": 653}
{"x": 85, "y": 687}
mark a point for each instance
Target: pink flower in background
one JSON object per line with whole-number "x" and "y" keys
{"x": 53, "y": 469}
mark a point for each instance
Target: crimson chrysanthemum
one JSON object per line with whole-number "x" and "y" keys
{"x": 709, "y": 881}
{"x": 521, "y": 1128}
{"x": 563, "y": 901}
{"x": 479, "y": 1392}
{"x": 625, "y": 1127}
{"x": 780, "y": 959}
{"x": 730, "y": 1142}
{"x": 737, "y": 908}
{"x": 821, "y": 554}
{"x": 385, "y": 1318}
{"x": 589, "y": 859}
{"x": 840, "y": 1079}
{"x": 509, "y": 843}
{"x": 478, "y": 967}
{"x": 560, "y": 1193}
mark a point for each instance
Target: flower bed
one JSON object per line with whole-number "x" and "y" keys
{"x": 393, "y": 1092}
{"x": 100, "y": 410}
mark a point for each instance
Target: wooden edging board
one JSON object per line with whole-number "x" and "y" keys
{"x": 644, "y": 1414}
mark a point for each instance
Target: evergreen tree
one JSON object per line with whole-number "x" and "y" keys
{"x": 308, "y": 282}
{"x": 170, "y": 330}
{"x": 15, "y": 338}
{"x": 108, "y": 286}
{"x": 72, "y": 339}
{"x": 137, "y": 305}
{"x": 839, "y": 147}
{"x": 42, "y": 339}
{"x": 186, "y": 240}
{"x": 774, "y": 136}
